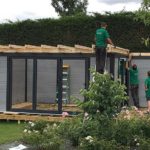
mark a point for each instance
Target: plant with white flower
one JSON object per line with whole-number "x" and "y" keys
{"x": 25, "y": 131}
{"x": 32, "y": 124}
{"x": 89, "y": 138}
{"x": 45, "y": 130}
{"x": 35, "y": 131}
{"x": 54, "y": 125}
{"x": 29, "y": 132}
{"x": 137, "y": 144}
{"x": 127, "y": 112}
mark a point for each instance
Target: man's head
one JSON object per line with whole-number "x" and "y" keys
{"x": 148, "y": 73}
{"x": 104, "y": 25}
{"x": 134, "y": 66}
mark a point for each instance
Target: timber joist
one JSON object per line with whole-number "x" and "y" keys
{"x": 58, "y": 49}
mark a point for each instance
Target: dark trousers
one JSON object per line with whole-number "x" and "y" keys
{"x": 100, "y": 59}
{"x": 135, "y": 95}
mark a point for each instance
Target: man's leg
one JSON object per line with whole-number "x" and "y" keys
{"x": 133, "y": 95}
{"x": 137, "y": 96}
{"x": 102, "y": 59}
{"x": 98, "y": 51}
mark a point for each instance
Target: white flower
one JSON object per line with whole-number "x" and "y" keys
{"x": 32, "y": 124}
{"x": 88, "y": 138}
{"x": 86, "y": 114}
{"x": 124, "y": 107}
{"x": 127, "y": 112}
{"x": 18, "y": 121}
{"x": 81, "y": 144}
{"x": 137, "y": 144}
{"x": 97, "y": 111}
{"x": 135, "y": 140}
{"x": 35, "y": 131}
{"x": 54, "y": 125}
{"x": 91, "y": 141}
{"x": 25, "y": 130}
{"x": 29, "y": 131}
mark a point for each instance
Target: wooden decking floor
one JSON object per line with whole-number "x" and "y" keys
{"x": 31, "y": 117}
{"x": 46, "y": 106}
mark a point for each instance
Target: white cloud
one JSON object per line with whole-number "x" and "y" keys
{"x": 34, "y": 9}
{"x": 96, "y": 6}
{"x": 109, "y": 2}
{"x": 24, "y": 9}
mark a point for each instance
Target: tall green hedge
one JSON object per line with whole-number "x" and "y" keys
{"x": 124, "y": 31}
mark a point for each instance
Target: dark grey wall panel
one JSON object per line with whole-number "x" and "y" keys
{"x": 18, "y": 80}
{"x": 77, "y": 76}
{"x": 116, "y": 69}
{"x": 3, "y": 83}
{"x": 46, "y": 80}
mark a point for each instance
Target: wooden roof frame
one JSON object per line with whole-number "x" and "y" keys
{"x": 58, "y": 49}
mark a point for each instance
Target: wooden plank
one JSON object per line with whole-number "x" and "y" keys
{"x": 59, "y": 49}
{"x": 31, "y": 118}
{"x": 139, "y": 54}
{"x": 83, "y": 49}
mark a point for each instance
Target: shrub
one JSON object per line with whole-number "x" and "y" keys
{"x": 42, "y": 136}
{"x": 104, "y": 96}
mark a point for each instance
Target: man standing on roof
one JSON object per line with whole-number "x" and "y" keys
{"x": 134, "y": 83}
{"x": 102, "y": 39}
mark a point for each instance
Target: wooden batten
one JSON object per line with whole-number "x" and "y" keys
{"x": 33, "y": 49}
{"x": 119, "y": 50}
{"x": 139, "y": 54}
{"x": 66, "y": 49}
{"x": 83, "y": 49}
{"x": 49, "y": 49}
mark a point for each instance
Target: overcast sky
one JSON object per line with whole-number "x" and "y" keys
{"x": 34, "y": 9}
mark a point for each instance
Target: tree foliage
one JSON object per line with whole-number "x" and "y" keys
{"x": 143, "y": 14}
{"x": 70, "y": 7}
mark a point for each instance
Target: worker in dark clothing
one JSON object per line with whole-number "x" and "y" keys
{"x": 134, "y": 82}
{"x": 102, "y": 39}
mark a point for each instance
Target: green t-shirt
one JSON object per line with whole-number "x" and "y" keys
{"x": 147, "y": 84}
{"x": 134, "y": 77}
{"x": 101, "y": 36}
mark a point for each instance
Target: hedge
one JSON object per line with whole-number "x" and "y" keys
{"x": 124, "y": 31}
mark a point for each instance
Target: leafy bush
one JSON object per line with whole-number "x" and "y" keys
{"x": 42, "y": 136}
{"x": 104, "y": 96}
{"x": 104, "y": 125}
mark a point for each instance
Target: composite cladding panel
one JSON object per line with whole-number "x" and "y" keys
{"x": 3, "y": 82}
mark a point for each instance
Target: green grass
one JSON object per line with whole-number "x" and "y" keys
{"x": 10, "y": 131}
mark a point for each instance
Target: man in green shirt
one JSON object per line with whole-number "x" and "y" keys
{"x": 147, "y": 91}
{"x": 134, "y": 84}
{"x": 102, "y": 38}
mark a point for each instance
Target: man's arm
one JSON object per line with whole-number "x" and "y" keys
{"x": 109, "y": 41}
{"x": 128, "y": 62}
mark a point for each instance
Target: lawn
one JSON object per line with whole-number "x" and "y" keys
{"x": 10, "y": 131}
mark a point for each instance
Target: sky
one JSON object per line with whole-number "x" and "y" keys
{"x": 14, "y": 10}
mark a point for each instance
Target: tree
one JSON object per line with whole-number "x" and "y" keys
{"x": 143, "y": 14}
{"x": 70, "y": 7}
